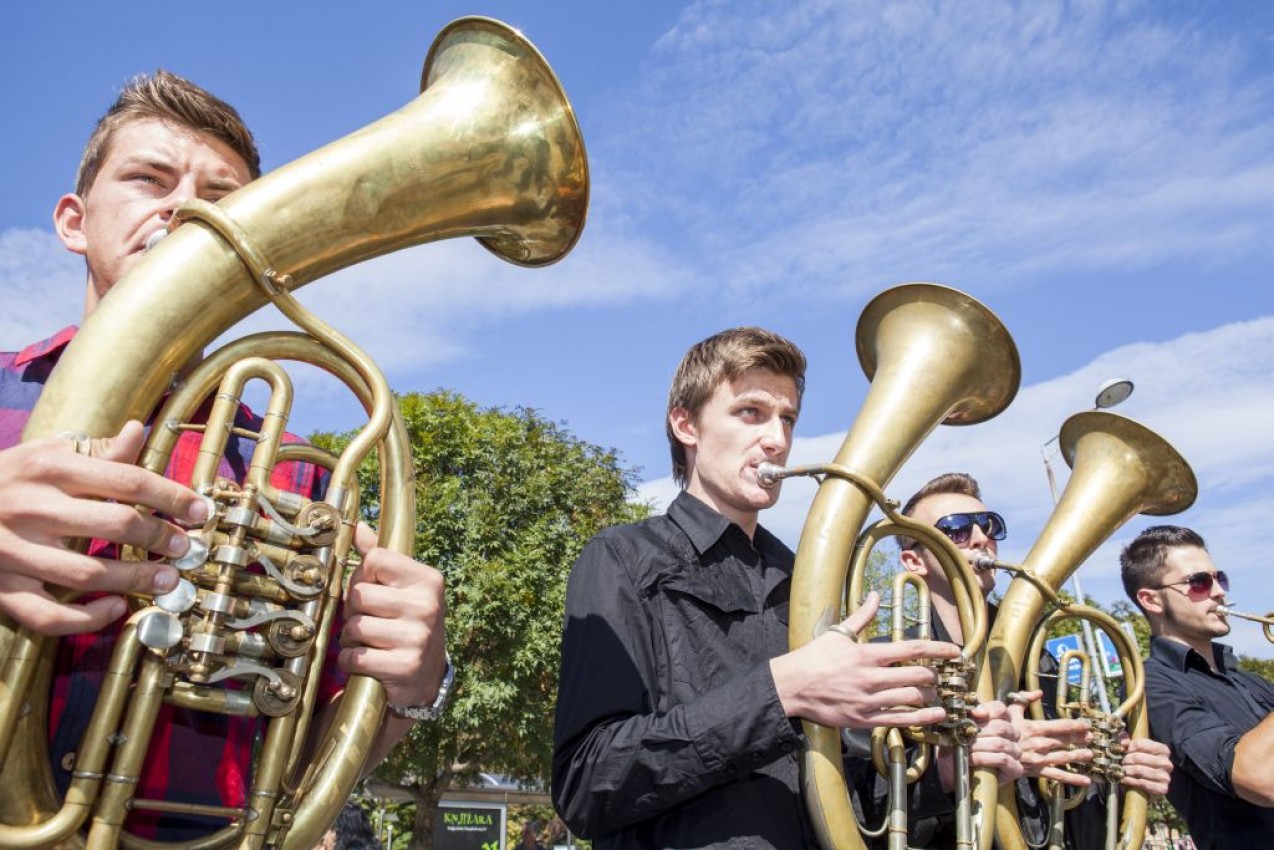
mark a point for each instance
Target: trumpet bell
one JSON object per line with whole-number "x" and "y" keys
{"x": 1118, "y": 442}
{"x": 916, "y": 324}
{"x": 543, "y": 131}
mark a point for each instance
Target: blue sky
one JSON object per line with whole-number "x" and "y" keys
{"x": 1098, "y": 173}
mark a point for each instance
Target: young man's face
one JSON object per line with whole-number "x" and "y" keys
{"x": 1181, "y": 611}
{"x": 933, "y": 508}
{"x": 746, "y": 422}
{"x": 151, "y": 168}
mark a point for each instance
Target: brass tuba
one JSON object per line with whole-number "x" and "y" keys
{"x": 1120, "y": 469}
{"x": 933, "y": 355}
{"x": 490, "y": 149}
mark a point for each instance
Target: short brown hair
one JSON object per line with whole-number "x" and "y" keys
{"x": 957, "y": 483}
{"x": 724, "y": 357}
{"x": 167, "y": 97}
{"x": 1141, "y": 561}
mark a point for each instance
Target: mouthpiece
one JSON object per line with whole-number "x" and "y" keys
{"x": 983, "y": 561}
{"x": 769, "y": 474}
{"x": 154, "y": 238}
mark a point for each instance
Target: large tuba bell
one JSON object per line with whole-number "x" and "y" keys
{"x": 934, "y": 355}
{"x": 1120, "y": 469}
{"x": 490, "y": 149}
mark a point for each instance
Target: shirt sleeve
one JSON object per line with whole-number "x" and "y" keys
{"x": 620, "y": 756}
{"x": 1202, "y": 743}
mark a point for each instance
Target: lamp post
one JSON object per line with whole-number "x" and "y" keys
{"x": 1109, "y": 394}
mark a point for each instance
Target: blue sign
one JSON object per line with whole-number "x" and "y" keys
{"x": 1058, "y": 645}
{"x": 1111, "y": 668}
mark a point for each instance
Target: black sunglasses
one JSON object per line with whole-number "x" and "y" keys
{"x": 959, "y": 527}
{"x": 1200, "y": 583}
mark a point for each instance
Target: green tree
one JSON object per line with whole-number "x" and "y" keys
{"x": 505, "y": 502}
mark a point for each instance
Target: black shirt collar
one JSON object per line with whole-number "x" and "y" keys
{"x": 702, "y": 524}
{"x": 1179, "y": 656}
{"x": 705, "y": 528}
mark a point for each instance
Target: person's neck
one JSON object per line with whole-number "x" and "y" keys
{"x": 942, "y": 606}
{"x": 1203, "y": 645}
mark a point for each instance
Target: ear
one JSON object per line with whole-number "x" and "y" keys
{"x": 911, "y": 560}
{"x": 68, "y": 221}
{"x": 1150, "y": 601}
{"x": 683, "y": 427}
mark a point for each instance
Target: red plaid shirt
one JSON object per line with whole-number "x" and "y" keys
{"x": 194, "y": 757}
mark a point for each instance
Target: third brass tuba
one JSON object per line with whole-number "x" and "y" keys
{"x": 490, "y": 149}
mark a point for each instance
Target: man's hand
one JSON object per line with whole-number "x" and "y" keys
{"x": 1147, "y": 765}
{"x": 835, "y": 681}
{"x": 998, "y": 745}
{"x": 394, "y": 629}
{"x": 50, "y": 492}
{"x": 1049, "y": 745}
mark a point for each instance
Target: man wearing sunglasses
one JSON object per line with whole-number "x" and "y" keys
{"x": 952, "y": 503}
{"x": 1218, "y": 720}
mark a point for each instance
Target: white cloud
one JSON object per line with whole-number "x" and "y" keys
{"x": 1209, "y": 395}
{"x": 419, "y": 307}
{"x": 857, "y": 140}
{"x": 41, "y": 287}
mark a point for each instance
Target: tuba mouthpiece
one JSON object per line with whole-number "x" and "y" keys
{"x": 983, "y": 561}
{"x": 768, "y": 474}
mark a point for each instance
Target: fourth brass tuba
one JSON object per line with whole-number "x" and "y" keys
{"x": 1120, "y": 469}
{"x": 490, "y": 149}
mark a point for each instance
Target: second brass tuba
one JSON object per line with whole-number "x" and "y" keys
{"x": 934, "y": 355}
{"x": 490, "y": 149}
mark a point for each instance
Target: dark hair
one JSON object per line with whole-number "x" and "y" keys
{"x": 166, "y": 97}
{"x": 1141, "y": 561}
{"x": 353, "y": 829}
{"x": 958, "y": 483}
{"x": 724, "y": 357}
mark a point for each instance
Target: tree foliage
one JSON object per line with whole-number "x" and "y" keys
{"x": 505, "y": 500}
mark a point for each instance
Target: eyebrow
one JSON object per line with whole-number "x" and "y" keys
{"x": 157, "y": 161}
{"x": 762, "y": 397}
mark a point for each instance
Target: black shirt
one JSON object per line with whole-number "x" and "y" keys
{"x": 1201, "y": 714}
{"x": 669, "y": 731}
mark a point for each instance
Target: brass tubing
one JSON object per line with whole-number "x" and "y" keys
{"x": 396, "y": 522}
{"x": 1267, "y": 620}
{"x": 517, "y": 155}
{"x": 90, "y": 761}
{"x": 130, "y": 753}
{"x": 933, "y": 355}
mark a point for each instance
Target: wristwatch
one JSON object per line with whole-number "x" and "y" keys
{"x": 433, "y": 711}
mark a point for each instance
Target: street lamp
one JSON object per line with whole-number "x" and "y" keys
{"x": 1109, "y": 394}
